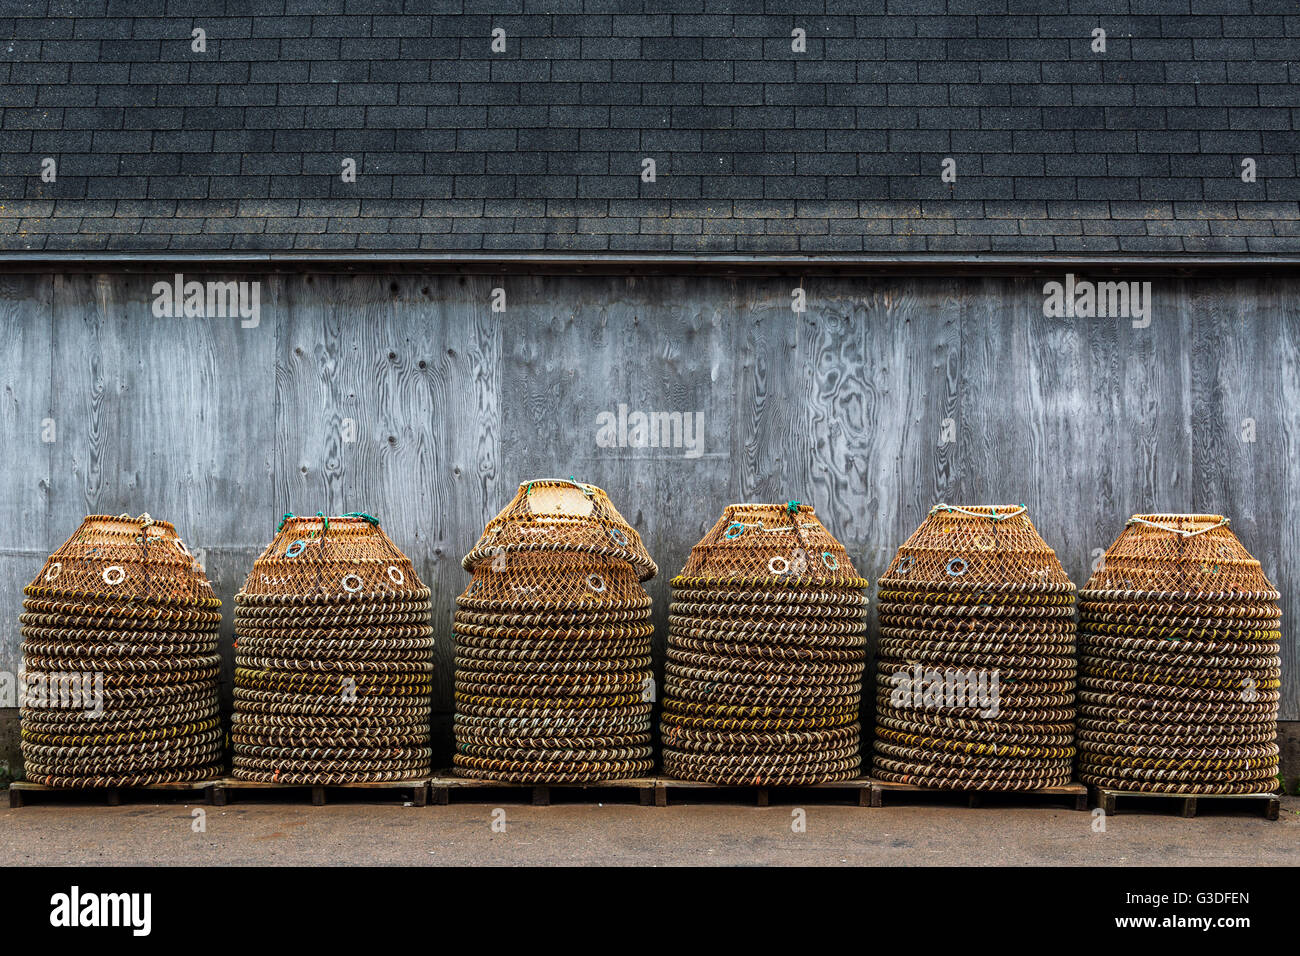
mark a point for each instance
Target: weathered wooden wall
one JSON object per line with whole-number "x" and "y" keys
{"x": 221, "y": 429}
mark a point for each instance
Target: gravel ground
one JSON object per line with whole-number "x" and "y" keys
{"x": 462, "y": 833}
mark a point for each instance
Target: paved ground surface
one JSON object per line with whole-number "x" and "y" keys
{"x": 375, "y": 833}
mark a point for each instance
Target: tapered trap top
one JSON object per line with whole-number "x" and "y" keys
{"x": 990, "y": 547}
{"x": 561, "y": 516}
{"x": 331, "y": 560}
{"x": 769, "y": 544}
{"x": 1180, "y": 556}
{"x": 562, "y": 582}
{"x": 124, "y": 559}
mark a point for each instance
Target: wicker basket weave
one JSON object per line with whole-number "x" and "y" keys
{"x": 976, "y": 660}
{"x": 773, "y": 544}
{"x": 553, "y": 678}
{"x": 333, "y": 658}
{"x": 553, "y": 516}
{"x": 1180, "y": 670}
{"x": 120, "y": 663}
{"x": 766, "y": 651}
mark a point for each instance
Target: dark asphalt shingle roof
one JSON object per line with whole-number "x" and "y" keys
{"x": 757, "y": 148}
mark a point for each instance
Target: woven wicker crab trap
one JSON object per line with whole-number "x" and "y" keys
{"x": 333, "y": 658}
{"x": 766, "y": 649}
{"x": 120, "y": 662}
{"x": 1179, "y": 657}
{"x": 562, "y": 516}
{"x": 553, "y": 673}
{"x": 976, "y": 662}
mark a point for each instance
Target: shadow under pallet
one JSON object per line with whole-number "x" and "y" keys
{"x": 1186, "y": 804}
{"x": 414, "y": 793}
{"x": 477, "y": 790}
{"x": 649, "y": 791}
{"x": 856, "y": 792}
{"x": 1074, "y": 795}
{"x": 22, "y": 792}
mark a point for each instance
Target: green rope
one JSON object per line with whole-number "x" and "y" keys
{"x": 363, "y": 516}
{"x": 326, "y": 521}
{"x": 792, "y": 506}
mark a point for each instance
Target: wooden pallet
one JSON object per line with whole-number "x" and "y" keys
{"x": 1074, "y": 795}
{"x": 20, "y": 792}
{"x": 221, "y": 790}
{"x": 441, "y": 788}
{"x": 1186, "y": 804}
{"x": 858, "y": 789}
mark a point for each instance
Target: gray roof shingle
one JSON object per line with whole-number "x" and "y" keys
{"x": 758, "y": 149}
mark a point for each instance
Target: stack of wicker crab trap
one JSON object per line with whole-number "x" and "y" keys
{"x": 976, "y": 660}
{"x": 766, "y": 649}
{"x": 1180, "y": 667}
{"x": 120, "y": 663}
{"x": 553, "y": 668}
{"x": 333, "y": 659}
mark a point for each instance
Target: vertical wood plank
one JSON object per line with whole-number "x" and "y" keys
{"x": 166, "y": 415}
{"x": 408, "y": 367}
{"x": 996, "y": 453}
{"x": 17, "y": 569}
{"x": 843, "y": 413}
{"x": 1071, "y": 489}
{"x": 1281, "y": 298}
{"x": 26, "y": 402}
{"x": 771, "y": 428}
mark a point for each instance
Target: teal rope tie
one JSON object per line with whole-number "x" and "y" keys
{"x": 363, "y": 516}
{"x": 792, "y": 506}
{"x": 325, "y": 521}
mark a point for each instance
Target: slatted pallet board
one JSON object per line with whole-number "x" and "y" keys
{"x": 21, "y": 792}
{"x": 474, "y": 789}
{"x": 858, "y": 791}
{"x": 651, "y": 791}
{"x": 1186, "y": 804}
{"x": 1074, "y": 795}
{"x": 417, "y": 790}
